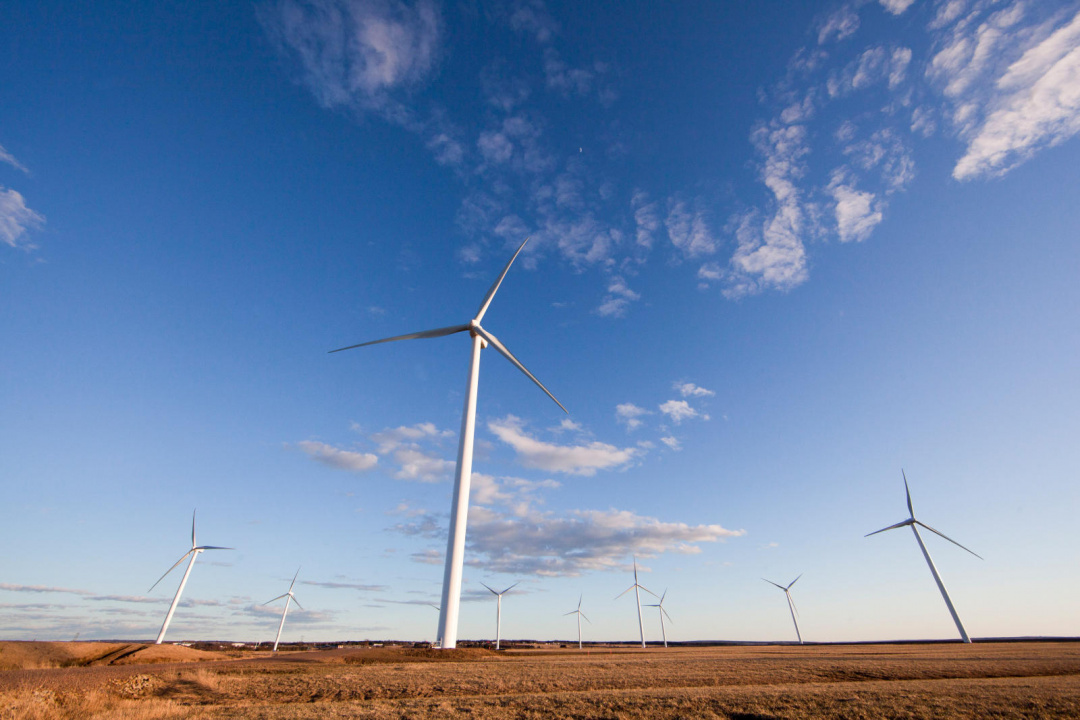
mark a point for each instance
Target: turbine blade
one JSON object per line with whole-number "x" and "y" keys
{"x": 891, "y": 527}
{"x": 572, "y": 612}
{"x": 510, "y": 588}
{"x": 794, "y": 581}
{"x": 792, "y": 601}
{"x": 950, "y": 539}
{"x": 664, "y": 595}
{"x": 276, "y": 599}
{"x": 626, "y": 591}
{"x": 438, "y": 332}
{"x": 294, "y": 581}
{"x": 495, "y": 286}
{"x": 510, "y": 356}
{"x": 648, "y": 591}
{"x": 586, "y": 619}
{"x": 492, "y": 591}
{"x": 908, "y": 492}
{"x": 172, "y": 568}
{"x": 297, "y": 602}
{"x": 777, "y": 585}
{"x": 580, "y": 598}
{"x": 666, "y": 613}
{"x": 212, "y": 547}
{"x": 193, "y": 529}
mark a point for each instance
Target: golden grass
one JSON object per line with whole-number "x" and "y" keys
{"x": 1000, "y": 680}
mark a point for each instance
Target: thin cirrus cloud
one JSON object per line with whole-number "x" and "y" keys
{"x": 337, "y": 458}
{"x": 630, "y": 415}
{"x": 16, "y": 220}
{"x": 571, "y": 459}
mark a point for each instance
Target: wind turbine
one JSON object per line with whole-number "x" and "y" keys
{"x": 194, "y": 553}
{"x": 791, "y": 603}
{"x": 579, "y": 616}
{"x": 455, "y": 545}
{"x": 937, "y": 578}
{"x": 636, "y": 587}
{"x": 498, "y": 611}
{"x": 289, "y": 597}
{"x": 663, "y": 612}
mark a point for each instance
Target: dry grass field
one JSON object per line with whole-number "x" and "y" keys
{"x": 998, "y": 680}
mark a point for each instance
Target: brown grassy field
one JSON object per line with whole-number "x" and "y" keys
{"x": 1000, "y": 680}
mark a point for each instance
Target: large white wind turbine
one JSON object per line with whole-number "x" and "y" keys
{"x": 194, "y": 553}
{"x": 579, "y": 616}
{"x": 791, "y": 603}
{"x": 663, "y": 613}
{"x": 636, "y": 587}
{"x": 937, "y": 578}
{"x": 498, "y": 610}
{"x": 289, "y": 597}
{"x": 455, "y": 545}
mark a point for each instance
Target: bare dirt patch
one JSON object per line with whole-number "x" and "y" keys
{"x": 1002, "y": 680}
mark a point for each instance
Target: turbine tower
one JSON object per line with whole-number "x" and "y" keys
{"x": 579, "y": 616}
{"x": 459, "y": 513}
{"x": 636, "y": 587}
{"x": 194, "y": 553}
{"x": 937, "y": 578}
{"x": 791, "y": 603}
{"x": 289, "y": 598}
{"x": 498, "y": 610}
{"x": 663, "y": 613}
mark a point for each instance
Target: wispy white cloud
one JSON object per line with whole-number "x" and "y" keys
{"x": 688, "y": 389}
{"x": 8, "y": 158}
{"x": 338, "y": 458}
{"x": 857, "y": 212}
{"x": 896, "y": 7}
{"x": 391, "y": 439}
{"x": 332, "y": 585}
{"x": 689, "y": 231}
{"x": 1035, "y": 105}
{"x": 16, "y": 219}
{"x": 618, "y": 299}
{"x": 672, "y": 443}
{"x": 572, "y": 459}
{"x": 356, "y": 51}
{"x": 841, "y": 24}
{"x": 630, "y": 415}
{"x": 679, "y": 410}
{"x": 11, "y": 587}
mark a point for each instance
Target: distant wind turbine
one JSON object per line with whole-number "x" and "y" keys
{"x": 289, "y": 597}
{"x": 498, "y": 610}
{"x": 636, "y": 587}
{"x": 791, "y": 603}
{"x": 455, "y": 545}
{"x": 937, "y": 578}
{"x": 194, "y": 553}
{"x": 579, "y": 616}
{"x": 663, "y": 613}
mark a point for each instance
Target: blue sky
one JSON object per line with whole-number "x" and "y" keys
{"x": 775, "y": 258}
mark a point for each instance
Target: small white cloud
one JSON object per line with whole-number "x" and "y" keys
{"x": 857, "y": 213}
{"x": 336, "y": 458}
{"x": 418, "y": 465}
{"x": 646, "y": 218}
{"x": 629, "y": 414}
{"x": 16, "y": 219}
{"x": 495, "y": 147}
{"x": 678, "y": 410}
{"x": 688, "y": 230}
{"x": 8, "y": 158}
{"x": 672, "y": 443}
{"x": 896, "y": 7}
{"x": 571, "y": 459}
{"x": 692, "y": 390}
{"x": 393, "y": 438}
{"x": 841, "y": 24}
{"x": 618, "y": 299}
